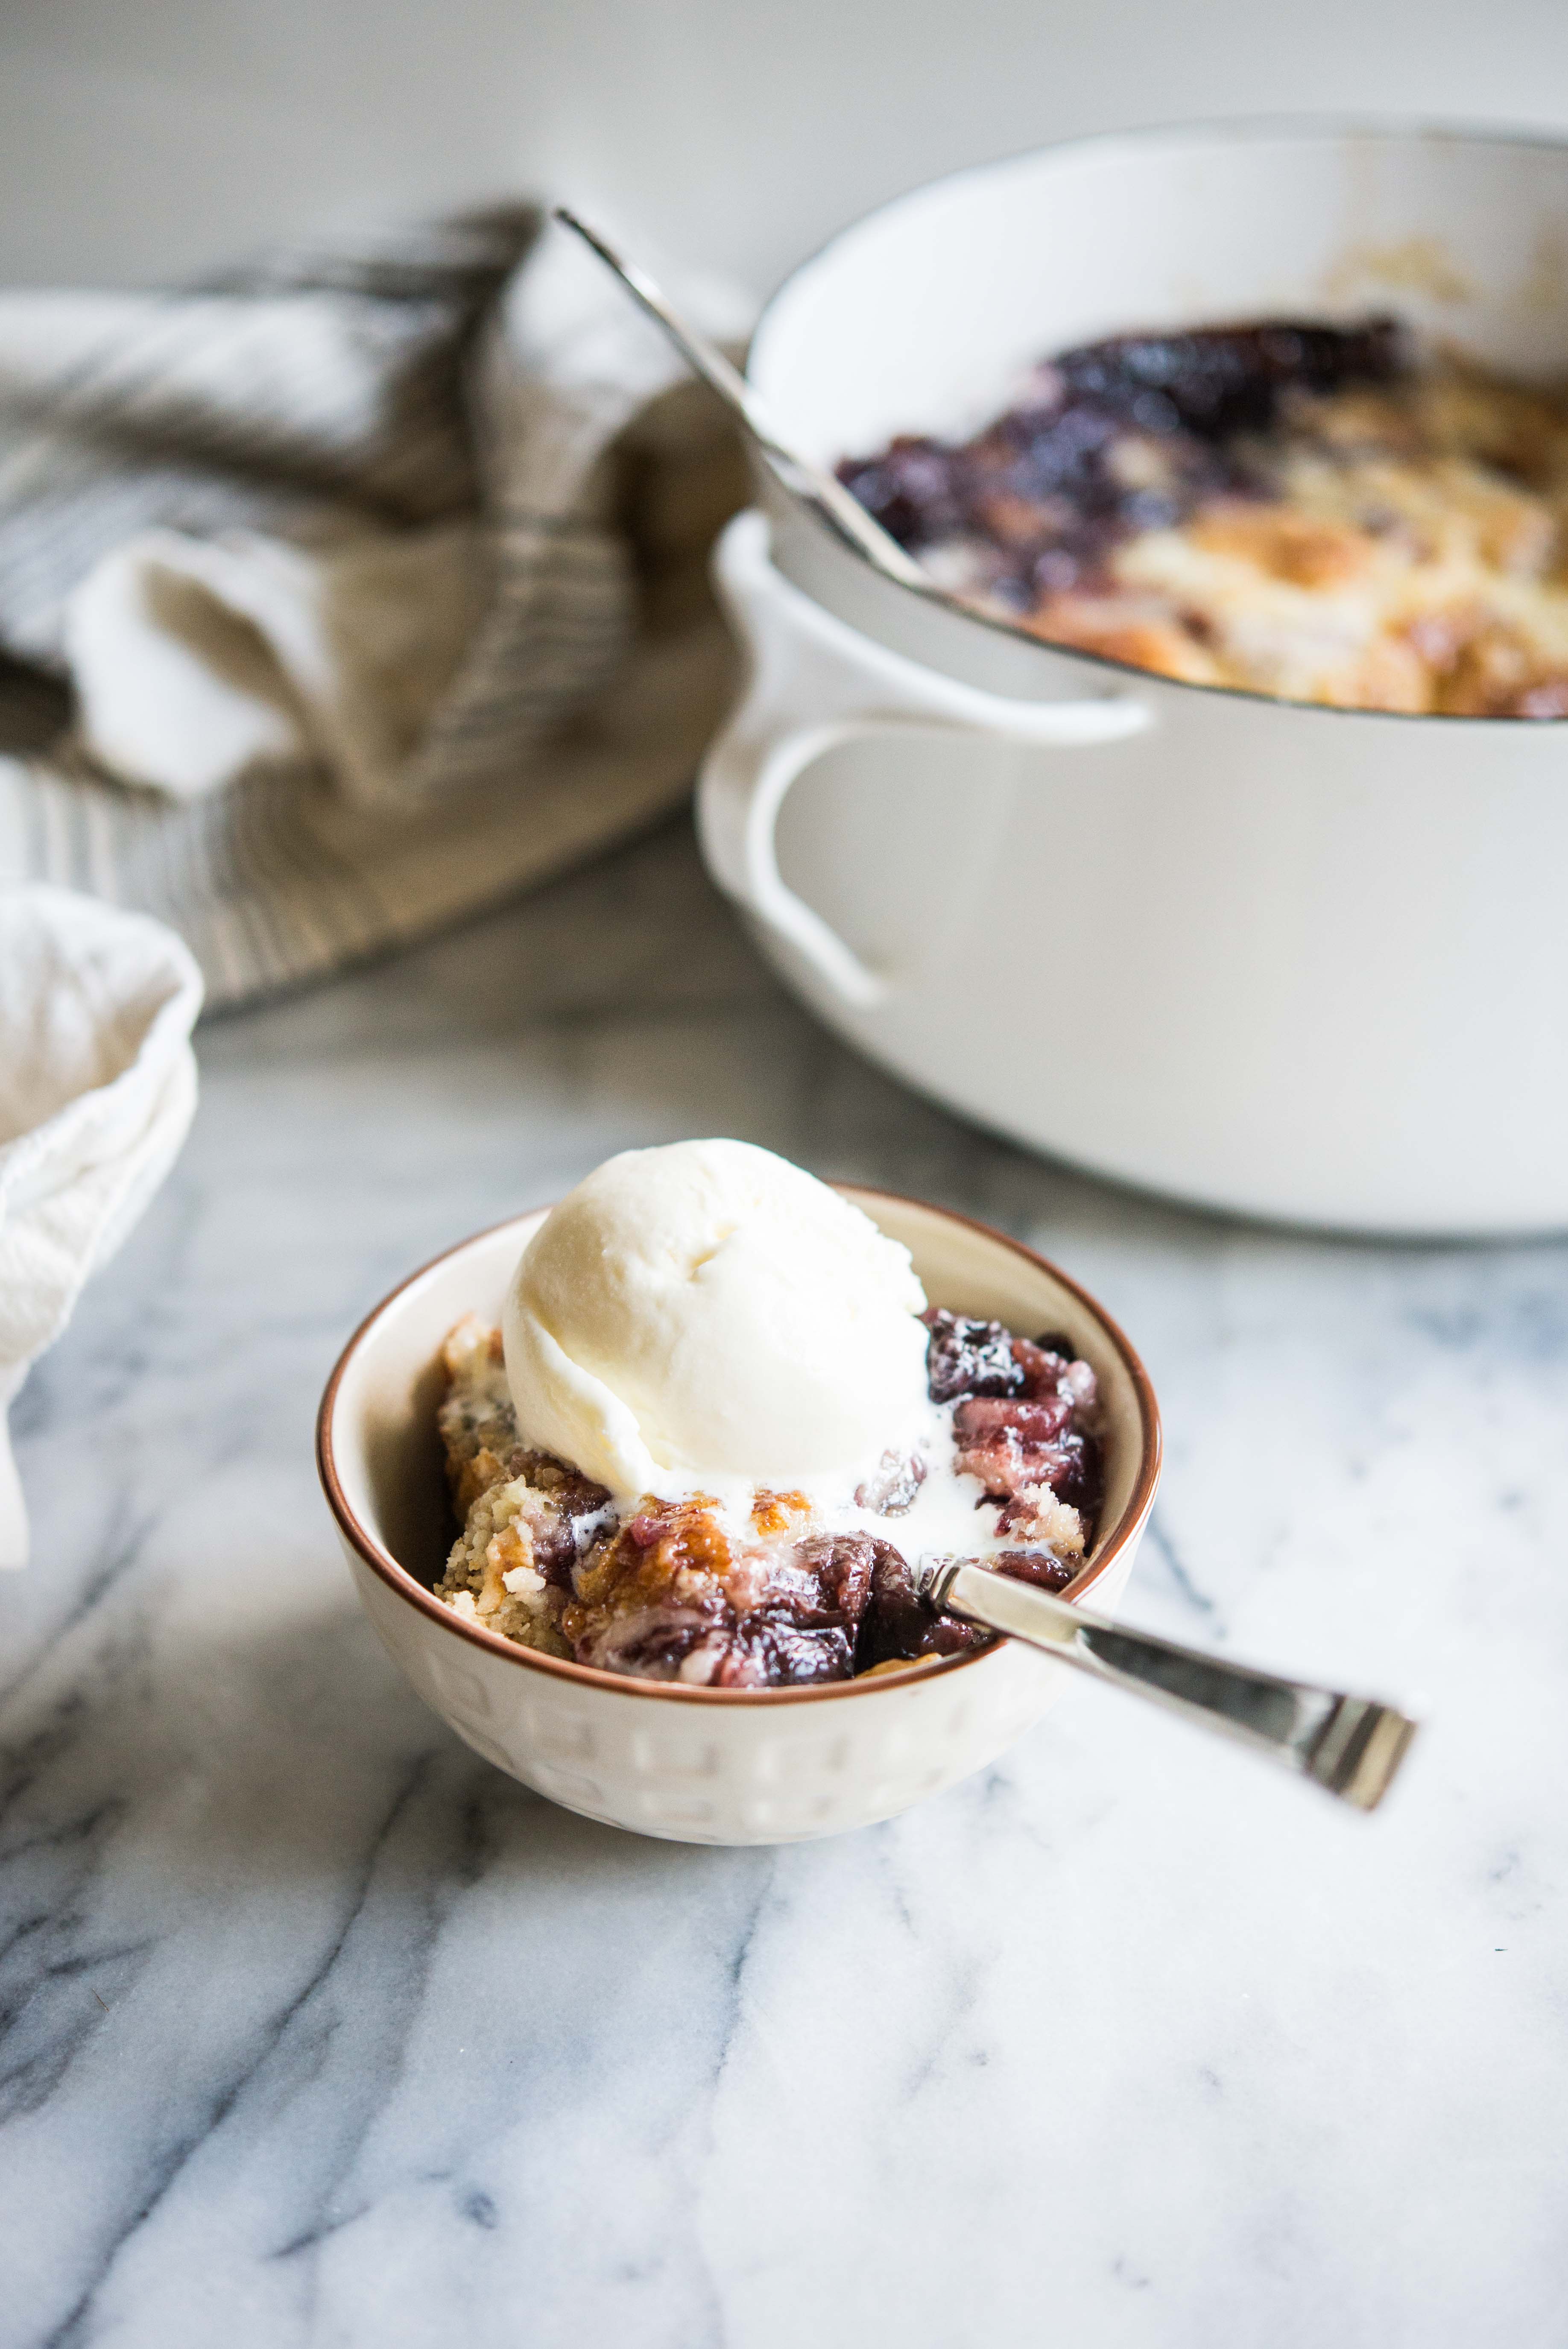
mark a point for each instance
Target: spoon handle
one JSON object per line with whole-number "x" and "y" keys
{"x": 1352, "y": 1745}
{"x": 845, "y": 513}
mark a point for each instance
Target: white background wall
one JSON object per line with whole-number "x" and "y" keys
{"x": 141, "y": 137}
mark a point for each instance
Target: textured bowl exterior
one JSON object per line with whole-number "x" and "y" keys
{"x": 701, "y": 1765}
{"x": 755, "y": 1773}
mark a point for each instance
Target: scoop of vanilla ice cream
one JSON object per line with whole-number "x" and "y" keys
{"x": 706, "y": 1313}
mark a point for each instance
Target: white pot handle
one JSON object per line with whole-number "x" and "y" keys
{"x": 803, "y": 659}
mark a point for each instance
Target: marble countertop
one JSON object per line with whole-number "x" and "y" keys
{"x": 314, "y": 2028}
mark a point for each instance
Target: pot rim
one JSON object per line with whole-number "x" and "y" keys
{"x": 1214, "y": 129}
{"x": 402, "y": 1583}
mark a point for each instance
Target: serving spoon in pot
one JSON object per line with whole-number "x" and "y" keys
{"x": 827, "y": 498}
{"x": 1350, "y": 1745}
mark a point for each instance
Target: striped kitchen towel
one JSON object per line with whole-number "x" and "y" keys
{"x": 350, "y": 591}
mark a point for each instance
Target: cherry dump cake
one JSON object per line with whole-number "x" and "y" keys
{"x": 785, "y": 1589}
{"x": 1308, "y": 511}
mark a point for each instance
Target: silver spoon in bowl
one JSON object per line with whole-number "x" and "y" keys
{"x": 827, "y": 498}
{"x": 1350, "y": 1745}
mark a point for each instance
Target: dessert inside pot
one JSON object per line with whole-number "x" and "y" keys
{"x": 1321, "y": 511}
{"x": 720, "y": 1421}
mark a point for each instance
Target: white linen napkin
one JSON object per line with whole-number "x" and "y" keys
{"x": 97, "y": 1087}
{"x": 376, "y": 573}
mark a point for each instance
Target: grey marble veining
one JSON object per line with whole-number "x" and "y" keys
{"x": 315, "y": 2029}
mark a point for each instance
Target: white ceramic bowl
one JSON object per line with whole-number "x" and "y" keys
{"x": 1309, "y": 963}
{"x": 700, "y": 1765}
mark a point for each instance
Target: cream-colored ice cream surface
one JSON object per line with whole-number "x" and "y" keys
{"x": 707, "y": 1317}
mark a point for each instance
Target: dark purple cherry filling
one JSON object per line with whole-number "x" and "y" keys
{"x": 899, "y": 1626}
{"x": 965, "y": 1357}
{"x": 1117, "y": 436}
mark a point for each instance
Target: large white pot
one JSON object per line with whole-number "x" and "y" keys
{"x": 1310, "y": 963}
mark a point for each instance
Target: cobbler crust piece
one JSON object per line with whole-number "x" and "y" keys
{"x": 526, "y": 1517}
{"x": 1295, "y": 509}
{"x": 672, "y": 1591}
